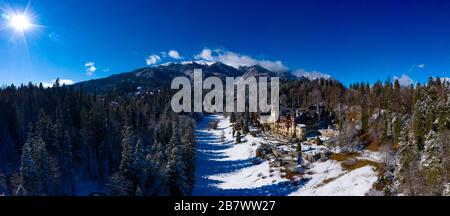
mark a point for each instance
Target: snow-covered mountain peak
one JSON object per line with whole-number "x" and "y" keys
{"x": 311, "y": 75}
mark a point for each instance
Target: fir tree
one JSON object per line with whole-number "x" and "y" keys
{"x": 21, "y": 191}
{"x": 364, "y": 111}
{"x": 118, "y": 185}
{"x": 176, "y": 173}
{"x": 431, "y": 164}
{"x": 153, "y": 178}
{"x": 126, "y": 163}
{"x": 444, "y": 114}
{"x": 419, "y": 118}
{"x": 238, "y": 137}
{"x": 139, "y": 165}
{"x": 222, "y": 136}
{"x": 396, "y": 130}
{"x": 408, "y": 156}
{"x": 364, "y": 116}
{"x": 397, "y": 97}
{"x": 189, "y": 152}
{"x": 384, "y": 134}
{"x": 28, "y": 169}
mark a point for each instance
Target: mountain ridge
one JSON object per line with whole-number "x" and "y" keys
{"x": 160, "y": 76}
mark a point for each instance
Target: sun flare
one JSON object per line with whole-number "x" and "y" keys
{"x": 20, "y": 22}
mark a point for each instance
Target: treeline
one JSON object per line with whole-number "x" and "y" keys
{"x": 62, "y": 141}
{"x": 411, "y": 124}
{"x": 424, "y": 143}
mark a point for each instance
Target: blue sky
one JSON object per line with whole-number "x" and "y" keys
{"x": 350, "y": 40}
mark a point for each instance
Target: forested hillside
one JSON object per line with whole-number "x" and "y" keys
{"x": 61, "y": 141}
{"x": 411, "y": 124}
{"x": 67, "y": 140}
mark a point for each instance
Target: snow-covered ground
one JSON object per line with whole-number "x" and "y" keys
{"x": 329, "y": 179}
{"x": 250, "y": 177}
{"x": 242, "y": 151}
{"x": 227, "y": 168}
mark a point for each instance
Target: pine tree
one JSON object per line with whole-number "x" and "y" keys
{"x": 139, "y": 192}
{"x": 431, "y": 112}
{"x": 238, "y": 137}
{"x": 222, "y": 136}
{"x": 126, "y": 163}
{"x": 364, "y": 116}
{"x": 120, "y": 186}
{"x": 21, "y": 191}
{"x": 444, "y": 114}
{"x": 388, "y": 96}
{"x": 299, "y": 148}
{"x": 28, "y": 169}
{"x": 139, "y": 166}
{"x": 176, "y": 173}
{"x": 384, "y": 134}
{"x": 68, "y": 167}
{"x": 153, "y": 177}
{"x": 397, "y": 101}
{"x": 189, "y": 152}
{"x": 86, "y": 140}
{"x": 419, "y": 118}
{"x": 76, "y": 136}
{"x": 364, "y": 111}
{"x": 43, "y": 164}
{"x": 431, "y": 164}
{"x": 408, "y": 155}
{"x": 175, "y": 140}
{"x": 396, "y": 130}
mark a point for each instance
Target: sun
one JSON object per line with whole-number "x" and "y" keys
{"x": 20, "y": 22}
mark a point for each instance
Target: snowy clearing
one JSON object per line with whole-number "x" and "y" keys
{"x": 251, "y": 177}
{"x": 329, "y": 179}
{"x": 227, "y": 168}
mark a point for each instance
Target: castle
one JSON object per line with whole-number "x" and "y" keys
{"x": 296, "y": 123}
{"x": 285, "y": 126}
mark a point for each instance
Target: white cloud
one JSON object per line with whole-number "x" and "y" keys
{"x": 419, "y": 66}
{"x": 153, "y": 59}
{"x": 61, "y": 82}
{"x": 404, "y": 80}
{"x": 311, "y": 75}
{"x": 66, "y": 82}
{"x": 90, "y": 68}
{"x": 174, "y": 54}
{"x": 206, "y": 54}
{"x": 237, "y": 60}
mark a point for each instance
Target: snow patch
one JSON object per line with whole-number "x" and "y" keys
{"x": 254, "y": 176}
{"x": 251, "y": 177}
{"x": 328, "y": 179}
